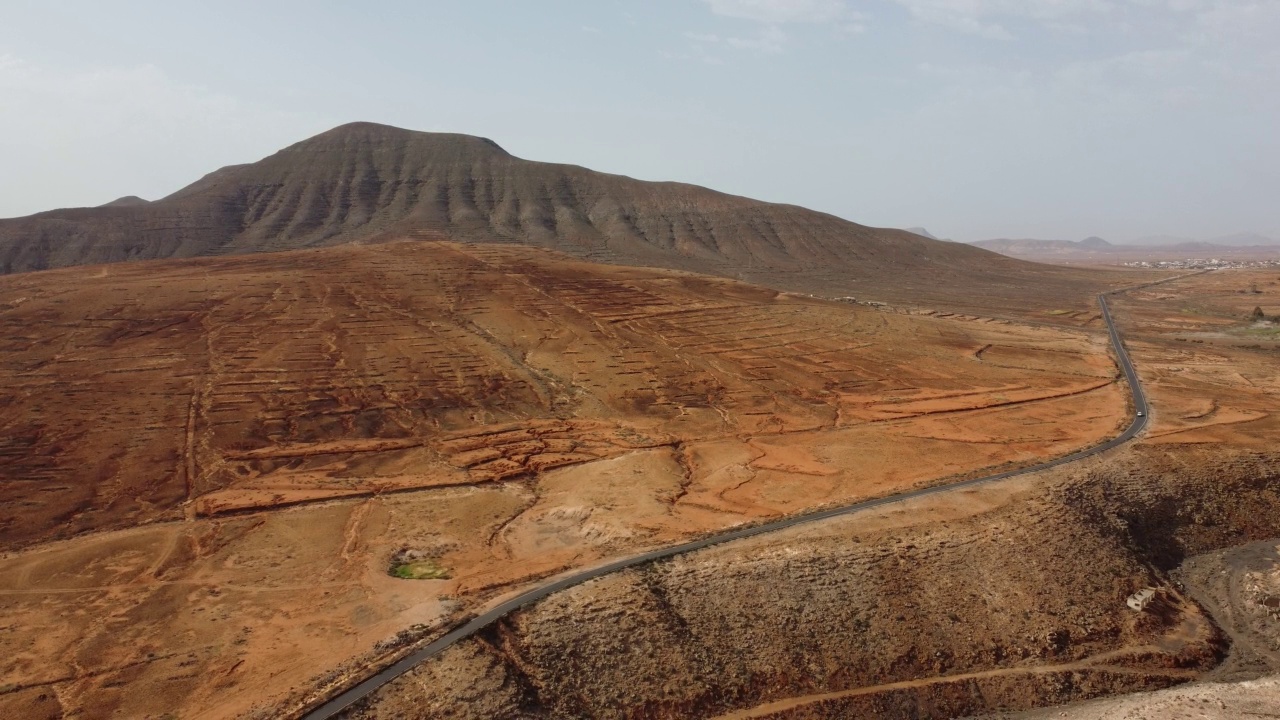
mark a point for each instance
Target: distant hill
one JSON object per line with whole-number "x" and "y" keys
{"x": 1243, "y": 239}
{"x": 1096, "y": 249}
{"x": 922, "y": 233}
{"x": 127, "y": 201}
{"x": 1028, "y": 247}
{"x": 365, "y": 182}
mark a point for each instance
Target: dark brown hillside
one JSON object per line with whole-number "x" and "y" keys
{"x": 364, "y": 182}
{"x": 127, "y": 201}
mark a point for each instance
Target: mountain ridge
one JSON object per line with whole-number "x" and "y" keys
{"x": 365, "y": 182}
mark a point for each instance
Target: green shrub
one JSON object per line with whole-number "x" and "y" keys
{"x": 420, "y": 570}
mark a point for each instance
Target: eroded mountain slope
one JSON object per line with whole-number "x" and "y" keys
{"x": 363, "y": 182}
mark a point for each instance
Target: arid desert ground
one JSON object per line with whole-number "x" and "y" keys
{"x": 268, "y": 435}
{"x": 227, "y": 461}
{"x": 1005, "y": 598}
{"x": 274, "y": 426}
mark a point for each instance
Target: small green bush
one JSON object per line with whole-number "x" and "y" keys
{"x": 420, "y": 570}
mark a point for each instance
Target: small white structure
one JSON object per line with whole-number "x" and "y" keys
{"x": 1139, "y": 601}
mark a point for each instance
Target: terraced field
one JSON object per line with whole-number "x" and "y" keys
{"x": 221, "y": 457}
{"x": 1211, "y": 367}
{"x": 984, "y": 601}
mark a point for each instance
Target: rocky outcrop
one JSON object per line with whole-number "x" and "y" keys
{"x": 1017, "y": 606}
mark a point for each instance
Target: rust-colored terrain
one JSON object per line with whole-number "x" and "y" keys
{"x": 1003, "y": 598}
{"x": 210, "y": 466}
{"x": 380, "y": 380}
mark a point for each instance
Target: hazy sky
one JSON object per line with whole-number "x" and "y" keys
{"x": 973, "y": 118}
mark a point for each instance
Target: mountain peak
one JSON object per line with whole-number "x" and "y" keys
{"x": 366, "y": 182}
{"x": 371, "y": 133}
{"x": 127, "y": 201}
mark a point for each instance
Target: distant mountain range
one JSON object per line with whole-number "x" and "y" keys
{"x": 1094, "y": 243}
{"x": 1165, "y": 247}
{"x": 1244, "y": 239}
{"x": 1027, "y": 246}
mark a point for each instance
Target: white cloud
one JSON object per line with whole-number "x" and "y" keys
{"x": 77, "y": 133}
{"x": 771, "y": 14}
{"x": 991, "y": 18}
{"x": 705, "y": 38}
{"x": 781, "y": 11}
{"x": 1151, "y": 56}
{"x": 769, "y": 40}
{"x": 984, "y": 17}
{"x": 1240, "y": 20}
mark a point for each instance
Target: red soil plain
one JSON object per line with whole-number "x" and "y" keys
{"x": 995, "y": 599}
{"x": 212, "y": 464}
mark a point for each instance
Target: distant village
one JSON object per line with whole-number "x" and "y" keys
{"x": 1202, "y": 264}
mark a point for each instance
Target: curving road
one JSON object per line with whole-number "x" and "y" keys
{"x": 331, "y": 708}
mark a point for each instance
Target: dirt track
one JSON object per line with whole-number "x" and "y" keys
{"x": 1240, "y": 587}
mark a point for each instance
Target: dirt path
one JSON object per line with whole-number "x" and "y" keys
{"x": 779, "y": 706}
{"x": 1220, "y": 582}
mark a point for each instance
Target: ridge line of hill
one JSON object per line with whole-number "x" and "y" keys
{"x": 364, "y": 182}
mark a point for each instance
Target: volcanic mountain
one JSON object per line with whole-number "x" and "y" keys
{"x": 365, "y": 182}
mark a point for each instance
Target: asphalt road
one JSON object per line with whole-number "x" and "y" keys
{"x": 333, "y": 707}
